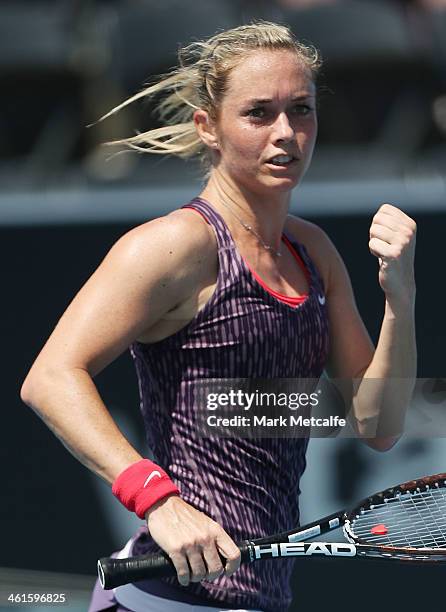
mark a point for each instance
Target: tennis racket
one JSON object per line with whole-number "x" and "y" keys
{"x": 404, "y": 523}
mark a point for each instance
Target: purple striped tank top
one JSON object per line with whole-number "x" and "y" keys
{"x": 249, "y": 486}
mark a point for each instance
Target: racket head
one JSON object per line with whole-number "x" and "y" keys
{"x": 407, "y": 521}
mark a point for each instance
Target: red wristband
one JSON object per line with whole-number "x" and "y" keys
{"x": 141, "y": 485}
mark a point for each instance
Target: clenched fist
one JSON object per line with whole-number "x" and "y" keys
{"x": 392, "y": 241}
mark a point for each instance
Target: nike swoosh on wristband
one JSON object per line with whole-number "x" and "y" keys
{"x": 150, "y": 476}
{"x": 321, "y": 299}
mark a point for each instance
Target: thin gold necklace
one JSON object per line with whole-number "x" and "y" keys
{"x": 248, "y": 228}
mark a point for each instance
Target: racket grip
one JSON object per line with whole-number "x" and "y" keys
{"x": 114, "y": 572}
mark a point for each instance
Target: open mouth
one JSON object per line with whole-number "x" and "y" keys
{"x": 282, "y": 161}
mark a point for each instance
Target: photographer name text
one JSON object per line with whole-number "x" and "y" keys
{"x": 281, "y": 421}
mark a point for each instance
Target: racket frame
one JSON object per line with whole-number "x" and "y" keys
{"x": 114, "y": 572}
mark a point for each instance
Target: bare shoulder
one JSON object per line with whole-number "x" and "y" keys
{"x": 176, "y": 247}
{"x": 178, "y": 233}
{"x": 180, "y": 223}
{"x": 317, "y": 243}
{"x": 146, "y": 274}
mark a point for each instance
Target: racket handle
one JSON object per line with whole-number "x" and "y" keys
{"x": 114, "y": 572}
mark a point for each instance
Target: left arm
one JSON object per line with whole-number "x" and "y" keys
{"x": 385, "y": 378}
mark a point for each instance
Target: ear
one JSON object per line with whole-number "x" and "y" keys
{"x": 206, "y": 128}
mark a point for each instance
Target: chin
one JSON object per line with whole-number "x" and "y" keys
{"x": 283, "y": 184}
{"x": 270, "y": 184}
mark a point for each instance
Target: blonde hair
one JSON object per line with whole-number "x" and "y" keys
{"x": 200, "y": 82}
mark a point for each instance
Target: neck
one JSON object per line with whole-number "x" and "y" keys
{"x": 264, "y": 213}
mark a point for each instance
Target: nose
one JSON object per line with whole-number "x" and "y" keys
{"x": 284, "y": 131}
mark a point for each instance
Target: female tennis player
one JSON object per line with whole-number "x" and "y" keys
{"x": 227, "y": 286}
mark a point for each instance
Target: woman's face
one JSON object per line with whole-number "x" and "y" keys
{"x": 267, "y": 124}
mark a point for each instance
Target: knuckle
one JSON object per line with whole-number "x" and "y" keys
{"x": 214, "y": 530}
{"x": 406, "y": 242}
{"x": 186, "y": 547}
{"x": 378, "y": 216}
{"x": 405, "y": 234}
{"x": 201, "y": 541}
{"x": 215, "y": 570}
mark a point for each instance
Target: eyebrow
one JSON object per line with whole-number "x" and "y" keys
{"x": 268, "y": 100}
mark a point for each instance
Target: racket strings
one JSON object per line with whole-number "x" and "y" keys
{"x": 409, "y": 520}
{"x": 409, "y": 524}
{"x": 412, "y": 519}
{"x": 414, "y": 526}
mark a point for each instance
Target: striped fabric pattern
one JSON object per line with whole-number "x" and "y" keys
{"x": 249, "y": 486}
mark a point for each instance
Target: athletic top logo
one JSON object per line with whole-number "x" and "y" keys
{"x": 321, "y": 299}
{"x": 150, "y": 476}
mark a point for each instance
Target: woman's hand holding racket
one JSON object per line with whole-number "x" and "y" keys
{"x": 197, "y": 546}
{"x": 405, "y": 523}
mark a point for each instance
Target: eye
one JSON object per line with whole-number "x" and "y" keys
{"x": 302, "y": 109}
{"x": 257, "y": 113}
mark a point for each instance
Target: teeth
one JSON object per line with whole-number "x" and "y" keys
{"x": 281, "y": 159}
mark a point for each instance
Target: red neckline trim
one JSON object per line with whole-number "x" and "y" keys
{"x": 293, "y": 300}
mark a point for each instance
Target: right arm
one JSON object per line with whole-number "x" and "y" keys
{"x": 149, "y": 271}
